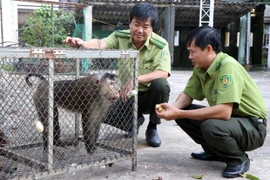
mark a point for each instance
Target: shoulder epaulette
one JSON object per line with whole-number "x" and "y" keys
{"x": 122, "y": 34}
{"x": 158, "y": 43}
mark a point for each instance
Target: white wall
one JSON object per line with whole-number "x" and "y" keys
{"x": 9, "y": 31}
{"x": 267, "y": 10}
{"x": 31, "y": 5}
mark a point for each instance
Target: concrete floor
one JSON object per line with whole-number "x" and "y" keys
{"x": 172, "y": 160}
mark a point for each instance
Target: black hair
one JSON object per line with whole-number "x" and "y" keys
{"x": 143, "y": 11}
{"x": 203, "y": 36}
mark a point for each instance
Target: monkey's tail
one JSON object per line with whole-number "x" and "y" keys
{"x": 34, "y": 74}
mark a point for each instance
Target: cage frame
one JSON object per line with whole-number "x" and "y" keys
{"x": 53, "y": 53}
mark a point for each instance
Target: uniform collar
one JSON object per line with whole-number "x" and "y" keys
{"x": 146, "y": 44}
{"x": 216, "y": 64}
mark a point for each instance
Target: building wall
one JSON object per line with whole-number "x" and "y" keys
{"x": 9, "y": 29}
{"x": 10, "y": 20}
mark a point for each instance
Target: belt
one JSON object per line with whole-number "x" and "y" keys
{"x": 261, "y": 121}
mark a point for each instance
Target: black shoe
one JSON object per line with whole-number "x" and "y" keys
{"x": 236, "y": 171}
{"x": 152, "y": 138}
{"x": 206, "y": 157}
{"x": 129, "y": 134}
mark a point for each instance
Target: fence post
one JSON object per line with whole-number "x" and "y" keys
{"x": 51, "y": 115}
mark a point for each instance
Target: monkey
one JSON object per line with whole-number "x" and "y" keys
{"x": 3, "y": 139}
{"x": 91, "y": 96}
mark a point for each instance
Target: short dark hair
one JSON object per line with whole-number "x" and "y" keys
{"x": 143, "y": 11}
{"x": 203, "y": 36}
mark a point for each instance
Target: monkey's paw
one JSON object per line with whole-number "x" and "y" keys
{"x": 91, "y": 151}
{"x": 132, "y": 93}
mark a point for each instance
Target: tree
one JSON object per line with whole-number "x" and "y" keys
{"x": 47, "y": 28}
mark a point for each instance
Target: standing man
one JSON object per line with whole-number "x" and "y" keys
{"x": 154, "y": 69}
{"x": 235, "y": 122}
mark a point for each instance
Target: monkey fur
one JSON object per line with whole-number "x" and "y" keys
{"x": 91, "y": 96}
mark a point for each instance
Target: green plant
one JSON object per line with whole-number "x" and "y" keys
{"x": 47, "y": 27}
{"x": 6, "y": 66}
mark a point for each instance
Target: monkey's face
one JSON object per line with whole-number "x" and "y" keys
{"x": 110, "y": 88}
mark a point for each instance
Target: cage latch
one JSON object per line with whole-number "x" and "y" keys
{"x": 47, "y": 53}
{"x": 125, "y": 54}
{"x": 59, "y": 53}
{"x": 37, "y": 53}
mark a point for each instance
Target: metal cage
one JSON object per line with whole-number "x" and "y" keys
{"x": 22, "y": 149}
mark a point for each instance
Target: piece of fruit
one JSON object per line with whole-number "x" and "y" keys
{"x": 39, "y": 126}
{"x": 160, "y": 109}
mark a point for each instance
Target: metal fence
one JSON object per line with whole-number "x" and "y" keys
{"x": 53, "y": 112}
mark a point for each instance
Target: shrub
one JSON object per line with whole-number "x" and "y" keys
{"x": 47, "y": 28}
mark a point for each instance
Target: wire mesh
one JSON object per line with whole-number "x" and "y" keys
{"x": 72, "y": 127}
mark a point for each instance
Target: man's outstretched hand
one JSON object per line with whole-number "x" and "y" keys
{"x": 73, "y": 42}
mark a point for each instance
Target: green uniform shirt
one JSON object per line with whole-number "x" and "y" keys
{"x": 227, "y": 81}
{"x": 154, "y": 55}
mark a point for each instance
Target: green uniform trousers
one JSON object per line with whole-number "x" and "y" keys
{"x": 121, "y": 114}
{"x": 227, "y": 139}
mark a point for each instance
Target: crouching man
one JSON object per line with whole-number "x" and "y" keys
{"x": 235, "y": 122}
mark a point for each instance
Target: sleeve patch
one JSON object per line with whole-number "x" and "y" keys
{"x": 164, "y": 55}
{"x": 225, "y": 80}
